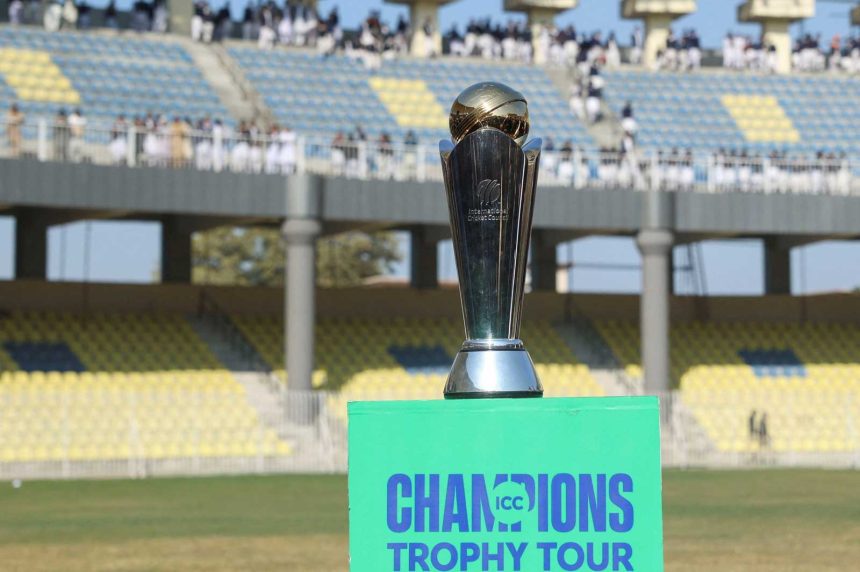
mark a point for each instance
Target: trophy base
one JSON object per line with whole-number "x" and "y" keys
{"x": 492, "y": 373}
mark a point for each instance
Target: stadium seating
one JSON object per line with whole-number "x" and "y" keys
{"x": 103, "y": 74}
{"x": 120, "y": 386}
{"x": 806, "y": 377}
{"x": 318, "y": 96}
{"x": 409, "y": 358}
{"x": 712, "y": 109}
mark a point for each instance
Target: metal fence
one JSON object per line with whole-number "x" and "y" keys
{"x": 121, "y": 434}
{"x": 177, "y": 147}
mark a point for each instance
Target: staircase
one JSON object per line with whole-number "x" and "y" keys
{"x": 318, "y": 437}
{"x": 216, "y": 66}
{"x": 607, "y": 133}
{"x": 590, "y": 348}
{"x": 261, "y": 388}
{"x": 683, "y": 441}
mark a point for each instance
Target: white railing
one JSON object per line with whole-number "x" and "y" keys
{"x": 224, "y": 151}
{"x": 135, "y": 440}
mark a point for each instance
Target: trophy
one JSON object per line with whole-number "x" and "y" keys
{"x": 490, "y": 178}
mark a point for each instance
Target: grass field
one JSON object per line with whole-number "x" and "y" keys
{"x": 715, "y": 521}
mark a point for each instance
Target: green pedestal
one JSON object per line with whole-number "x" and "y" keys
{"x": 505, "y": 484}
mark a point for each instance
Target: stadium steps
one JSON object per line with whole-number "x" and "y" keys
{"x": 227, "y": 344}
{"x": 221, "y": 72}
{"x": 606, "y": 133}
{"x": 590, "y": 348}
{"x": 312, "y": 440}
{"x": 262, "y": 111}
{"x": 682, "y": 437}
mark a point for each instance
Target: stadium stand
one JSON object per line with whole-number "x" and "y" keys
{"x": 711, "y": 110}
{"x": 408, "y": 358}
{"x": 103, "y": 74}
{"x": 323, "y": 96}
{"x": 804, "y": 376}
{"x": 119, "y": 386}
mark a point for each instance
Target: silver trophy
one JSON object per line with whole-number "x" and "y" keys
{"x": 490, "y": 179}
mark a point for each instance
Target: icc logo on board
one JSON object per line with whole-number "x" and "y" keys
{"x": 512, "y": 502}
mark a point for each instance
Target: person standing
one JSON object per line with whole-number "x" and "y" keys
{"x": 61, "y": 136}
{"x": 753, "y": 429}
{"x": 77, "y": 126}
{"x": 14, "y": 121}
{"x": 636, "y": 43}
{"x": 178, "y": 135}
{"x": 763, "y": 435}
{"x": 119, "y": 141}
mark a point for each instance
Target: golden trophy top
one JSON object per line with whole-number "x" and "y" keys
{"x": 490, "y": 104}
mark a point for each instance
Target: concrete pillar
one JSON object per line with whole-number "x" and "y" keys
{"x": 180, "y": 12}
{"x": 544, "y": 264}
{"x": 175, "y": 252}
{"x": 775, "y": 19}
{"x": 31, "y": 245}
{"x": 658, "y": 16}
{"x": 300, "y": 236}
{"x": 776, "y": 33}
{"x": 423, "y": 259}
{"x": 541, "y": 13}
{"x": 420, "y": 12}
{"x": 777, "y": 268}
{"x": 655, "y": 246}
{"x": 300, "y": 231}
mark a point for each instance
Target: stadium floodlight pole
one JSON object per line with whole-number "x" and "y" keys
{"x": 490, "y": 178}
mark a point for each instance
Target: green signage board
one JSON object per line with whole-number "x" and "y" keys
{"x": 505, "y": 484}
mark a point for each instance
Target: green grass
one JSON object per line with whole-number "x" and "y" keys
{"x": 728, "y": 521}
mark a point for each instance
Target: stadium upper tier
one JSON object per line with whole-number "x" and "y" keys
{"x": 706, "y": 111}
{"x": 322, "y": 96}
{"x": 805, "y": 377}
{"x": 103, "y": 74}
{"x": 123, "y": 386}
{"x": 408, "y": 358}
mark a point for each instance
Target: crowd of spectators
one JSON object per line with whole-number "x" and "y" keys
{"x": 679, "y": 170}
{"x": 807, "y": 55}
{"x": 827, "y": 172}
{"x": 743, "y": 53}
{"x": 206, "y": 144}
{"x": 513, "y": 42}
{"x": 682, "y": 53}
{"x": 355, "y": 154}
{"x": 586, "y": 95}
{"x": 296, "y": 24}
{"x": 377, "y": 41}
{"x": 145, "y": 16}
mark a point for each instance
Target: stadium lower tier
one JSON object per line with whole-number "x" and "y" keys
{"x": 409, "y": 358}
{"x": 125, "y": 386}
{"x": 803, "y": 380}
{"x": 146, "y": 386}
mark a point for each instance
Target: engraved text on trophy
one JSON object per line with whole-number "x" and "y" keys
{"x": 490, "y": 209}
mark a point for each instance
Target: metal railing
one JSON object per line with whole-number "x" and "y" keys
{"x": 121, "y": 433}
{"x": 178, "y": 147}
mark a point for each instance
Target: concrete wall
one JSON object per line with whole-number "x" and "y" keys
{"x": 405, "y": 302}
